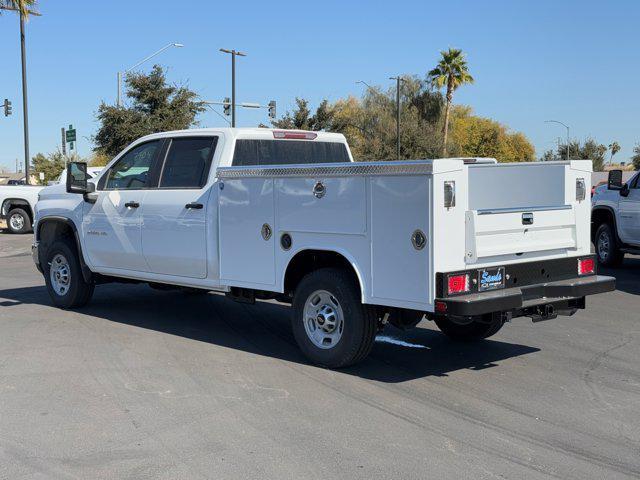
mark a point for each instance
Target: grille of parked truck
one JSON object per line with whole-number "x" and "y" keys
{"x": 287, "y": 215}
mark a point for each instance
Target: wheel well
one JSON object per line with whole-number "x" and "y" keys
{"x": 51, "y": 230}
{"x": 307, "y": 261}
{"x": 11, "y": 203}
{"x": 600, "y": 216}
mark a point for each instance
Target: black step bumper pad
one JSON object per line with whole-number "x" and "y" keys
{"x": 530, "y": 295}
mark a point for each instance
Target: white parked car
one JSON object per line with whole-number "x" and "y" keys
{"x": 616, "y": 219}
{"x": 287, "y": 215}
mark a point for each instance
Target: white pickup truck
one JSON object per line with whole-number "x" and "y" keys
{"x": 287, "y": 215}
{"x": 17, "y": 206}
{"x": 17, "y": 202}
{"x": 615, "y": 219}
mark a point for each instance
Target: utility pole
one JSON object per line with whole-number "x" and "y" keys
{"x": 233, "y": 81}
{"x": 25, "y": 112}
{"x": 398, "y": 79}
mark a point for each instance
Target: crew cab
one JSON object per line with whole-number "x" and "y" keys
{"x": 615, "y": 219}
{"x": 287, "y": 215}
{"x": 17, "y": 206}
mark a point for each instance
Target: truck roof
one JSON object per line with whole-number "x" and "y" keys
{"x": 250, "y": 133}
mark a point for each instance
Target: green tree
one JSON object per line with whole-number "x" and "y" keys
{"x": 589, "y": 150}
{"x": 548, "y": 156}
{"x": 474, "y": 136}
{"x": 51, "y": 165}
{"x": 451, "y": 72}
{"x": 635, "y": 159}
{"x": 155, "y": 107}
{"x": 614, "y": 147}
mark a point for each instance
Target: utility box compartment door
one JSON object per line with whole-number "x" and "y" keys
{"x": 399, "y": 207}
{"x": 322, "y": 205}
{"x": 246, "y": 257}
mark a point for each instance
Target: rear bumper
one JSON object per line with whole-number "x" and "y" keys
{"x": 558, "y": 293}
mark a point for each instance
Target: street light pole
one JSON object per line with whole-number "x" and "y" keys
{"x": 565, "y": 126}
{"x": 398, "y": 79}
{"x": 118, "y": 101}
{"x": 25, "y": 114}
{"x": 233, "y": 81}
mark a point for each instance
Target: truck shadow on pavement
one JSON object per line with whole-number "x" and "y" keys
{"x": 627, "y": 275}
{"x": 264, "y": 329}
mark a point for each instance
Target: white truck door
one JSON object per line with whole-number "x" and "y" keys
{"x": 174, "y": 235}
{"x": 629, "y": 214}
{"x": 111, "y": 225}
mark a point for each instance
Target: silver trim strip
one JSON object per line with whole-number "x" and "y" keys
{"x": 420, "y": 167}
{"x": 493, "y": 211}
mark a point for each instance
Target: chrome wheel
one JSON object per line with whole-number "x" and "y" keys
{"x": 60, "y": 274}
{"x": 323, "y": 319}
{"x": 603, "y": 246}
{"x": 16, "y": 222}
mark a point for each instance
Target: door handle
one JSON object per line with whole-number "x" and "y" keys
{"x": 132, "y": 204}
{"x": 195, "y": 206}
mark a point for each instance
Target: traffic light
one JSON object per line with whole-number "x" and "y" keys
{"x": 7, "y": 107}
{"x": 272, "y": 109}
{"x": 227, "y": 106}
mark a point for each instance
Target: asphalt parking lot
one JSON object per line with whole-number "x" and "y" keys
{"x": 148, "y": 384}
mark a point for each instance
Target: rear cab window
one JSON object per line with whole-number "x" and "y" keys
{"x": 288, "y": 152}
{"x": 187, "y": 162}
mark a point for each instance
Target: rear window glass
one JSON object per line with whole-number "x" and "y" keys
{"x": 288, "y": 152}
{"x": 188, "y": 162}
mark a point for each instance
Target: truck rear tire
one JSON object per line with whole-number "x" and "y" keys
{"x": 63, "y": 276}
{"x": 330, "y": 324}
{"x": 18, "y": 221}
{"x": 607, "y": 249}
{"x": 477, "y": 329}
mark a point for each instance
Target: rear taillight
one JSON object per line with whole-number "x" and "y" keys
{"x": 458, "y": 283}
{"x": 586, "y": 266}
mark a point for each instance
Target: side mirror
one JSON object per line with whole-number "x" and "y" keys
{"x": 624, "y": 191}
{"x": 77, "y": 178}
{"x": 614, "y": 182}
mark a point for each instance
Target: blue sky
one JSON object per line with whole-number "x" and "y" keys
{"x": 575, "y": 61}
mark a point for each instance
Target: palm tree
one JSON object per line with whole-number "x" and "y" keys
{"x": 451, "y": 72}
{"x": 22, "y": 6}
{"x": 615, "y": 148}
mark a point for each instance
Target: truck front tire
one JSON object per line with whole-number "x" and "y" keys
{"x": 63, "y": 276}
{"x": 331, "y": 325}
{"x": 607, "y": 249}
{"x": 477, "y": 329}
{"x": 18, "y": 221}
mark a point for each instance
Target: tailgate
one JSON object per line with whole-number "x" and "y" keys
{"x": 509, "y": 231}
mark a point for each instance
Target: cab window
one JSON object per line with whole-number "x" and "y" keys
{"x": 188, "y": 162}
{"x": 131, "y": 172}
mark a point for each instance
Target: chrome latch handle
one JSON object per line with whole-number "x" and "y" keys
{"x": 319, "y": 190}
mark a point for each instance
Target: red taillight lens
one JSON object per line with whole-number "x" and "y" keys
{"x": 458, "y": 283}
{"x": 586, "y": 266}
